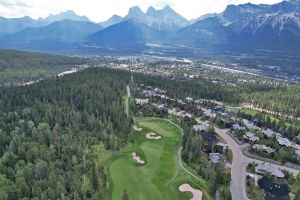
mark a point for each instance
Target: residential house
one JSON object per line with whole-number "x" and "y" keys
{"x": 141, "y": 102}
{"x": 201, "y": 127}
{"x": 221, "y": 147}
{"x": 236, "y": 128}
{"x": 250, "y": 137}
{"x": 215, "y": 157}
{"x": 274, "y": 191}
{"x": 284, "y": 142}
{"x": 269, "y": 133}
{"x": 208, "y": 113}
{"x": 189, "y": 99}
{"x": 250, "y": 125}
{"x": 267, "y": 168}
{"x": 265, "y": 148}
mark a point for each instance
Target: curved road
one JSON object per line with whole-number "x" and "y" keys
{"x": 239, "y": 166}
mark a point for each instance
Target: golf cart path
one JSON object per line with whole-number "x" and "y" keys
{"x": 180, "y": 150}
{"x": 127, "y": 100}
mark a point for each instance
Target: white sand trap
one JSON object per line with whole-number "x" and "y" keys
{"x": 197, "y": 194}
{"x": 137, "y": 128}
{"x": 153, "y": 136}
{"x": 137, "y": 158}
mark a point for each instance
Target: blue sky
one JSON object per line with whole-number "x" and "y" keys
{"x": 100, "y": 10}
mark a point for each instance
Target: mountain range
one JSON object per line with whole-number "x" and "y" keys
{"x": 245, "y": 27}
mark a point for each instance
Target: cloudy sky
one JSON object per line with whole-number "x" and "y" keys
{"x": 100, "y": 10}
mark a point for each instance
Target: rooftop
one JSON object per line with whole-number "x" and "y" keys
{"x": 203, "y": 126}
{"x": 250, "y": 125}
{"x": 267, "y": 168}
{"x": 251, "y": 136}
{"x": 141, "y": 101}
{"x": 189, "y": 99}
{"x": 215, "y": 157}
{"x": 263, "y": 148}
{"x": 208, "y": 113}
{"x": 237, "y": 127}
{"x": 284, "y": 142}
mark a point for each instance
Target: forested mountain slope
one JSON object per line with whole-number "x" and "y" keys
{"x": 46, "y": 130}
{"x": 19, "y": 67}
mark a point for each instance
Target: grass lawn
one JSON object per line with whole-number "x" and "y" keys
{"x": 161, "y": 176}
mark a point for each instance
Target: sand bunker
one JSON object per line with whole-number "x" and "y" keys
{"x": 197, "y": 194}
{"x": 153, "y": 136}
{"x": 137, "y": 158}
{"x": 137, "y": 128}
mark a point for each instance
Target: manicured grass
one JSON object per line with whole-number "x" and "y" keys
{"x": 161, "y": 176}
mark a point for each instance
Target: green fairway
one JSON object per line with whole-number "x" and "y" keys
{"x": 160, "y": 176}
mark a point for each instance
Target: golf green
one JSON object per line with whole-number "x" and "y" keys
{"x": 161, "y": 175}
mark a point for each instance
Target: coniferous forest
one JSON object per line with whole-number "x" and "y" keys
{"x": 17, "y": 67}
{"x": 279, "y": 98}
{"x": 46, "y": 128}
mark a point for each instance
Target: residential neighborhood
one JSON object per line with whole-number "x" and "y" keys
{"x": 261, "y": 144}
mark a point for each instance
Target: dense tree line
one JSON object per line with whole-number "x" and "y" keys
{"x": 280, "y": 98}
{"x": 217, "y": 178}
{"x": 47, "y": 128}
{"x": 19, "y": 67}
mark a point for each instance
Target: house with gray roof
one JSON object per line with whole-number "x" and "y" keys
{"x": 203, "y": 126}
{"x": 237, "y": 128}
{"x": 263, "y": 148}
{"x": 208, "y": 113}
{"x": 284, "y": 142}
{"x": 267, "y": 168}
{"x": 215, "y": 157}
{"x": 251, "y": 137}
{"x": 268, "y": 133}
{"x": 250, "y": 125}
{"x": 189, "y": 99}
{"x": 141, "y": 102}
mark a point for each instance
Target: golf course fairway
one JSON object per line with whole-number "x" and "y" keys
{"x": 160, "y": 176}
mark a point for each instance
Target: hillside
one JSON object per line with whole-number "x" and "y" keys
{"x": 19, "y": 67}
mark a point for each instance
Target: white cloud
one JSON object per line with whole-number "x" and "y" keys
{"x": 100, "y": 10}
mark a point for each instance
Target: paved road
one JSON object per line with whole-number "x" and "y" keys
{"x": 127, "y": 101}
{"x": 239, "y": 166}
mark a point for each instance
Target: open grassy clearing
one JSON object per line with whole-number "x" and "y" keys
{"x": 161, "y": 176}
